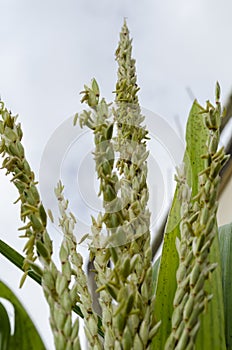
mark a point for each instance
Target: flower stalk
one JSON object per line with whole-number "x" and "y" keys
{"x": 131, "y": 274}
{"x": 72, "y": 266}
{"x": 55, "y": 283}
{"x": 98, "y": 120}
{"x": 32, "y": 211}
{"x": 125, "y": 288}
{"x": 197, "y": 229}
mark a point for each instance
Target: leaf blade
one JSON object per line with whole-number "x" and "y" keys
{"x": 25, "y": 336}
{"x": 4, "y": 328}
{"x": 212, "y": 329}
{"x": 166, "y": 284}
{"x": 225, "y": 239}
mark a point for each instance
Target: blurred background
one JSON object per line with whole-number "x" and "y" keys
{"x": 50, "y": 49}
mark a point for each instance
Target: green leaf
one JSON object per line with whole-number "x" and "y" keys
{"x": 225, "y": 240}
{"x": 155, "y": 270}
{"x": 17, "y": 259}
{"x": 25, "y": 335}
{"x": 4, "y": 328}
{"x": 212, "y": 330}
{"x": 212, "y": 321}
{"x": 166, "y": 283}
{"x": 196, "y": 136}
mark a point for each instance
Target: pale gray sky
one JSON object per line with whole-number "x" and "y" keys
{"x": 50, "y": 49}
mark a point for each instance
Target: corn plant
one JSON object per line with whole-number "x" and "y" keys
{"x": 183, "y": 300}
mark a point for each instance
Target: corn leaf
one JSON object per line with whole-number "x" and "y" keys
{"x": 155, "y": 269}
{"x": 212, "y": 330}
{"x": 17, "y": 259}
{"x": 25, "y": 335}
{"x": 225, "y": 239}
{"x": 4, "y": 328}
{"x": 213, "y": 323}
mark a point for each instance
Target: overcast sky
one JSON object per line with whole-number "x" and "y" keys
{"x": 50, "y": 49}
